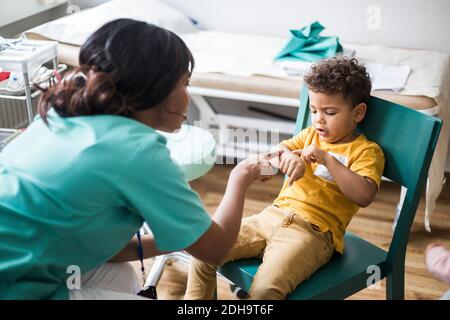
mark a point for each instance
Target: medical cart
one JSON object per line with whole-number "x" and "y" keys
{"x": 23, "y": 56}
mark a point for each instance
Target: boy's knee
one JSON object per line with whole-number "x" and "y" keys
{"x": 264, "y": 292}
{"x": 271, "y": 287}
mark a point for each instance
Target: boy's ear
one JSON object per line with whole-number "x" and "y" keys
{"x": 359, "y": 112}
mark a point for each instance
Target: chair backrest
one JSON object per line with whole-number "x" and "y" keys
{"x": 408, "y": 139}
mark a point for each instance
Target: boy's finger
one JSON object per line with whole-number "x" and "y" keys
{"x": 285, "y": 167}
{"x": 298, "y": 152}
{"x": 291, "y": 176}
{"x": 282, "y": 163}
{"x": 290, "y": 170}
{"x": 297, "y": 174}
{"x": 291, "y": 180}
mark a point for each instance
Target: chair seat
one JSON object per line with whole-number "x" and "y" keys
{"x": 341, "y": 277}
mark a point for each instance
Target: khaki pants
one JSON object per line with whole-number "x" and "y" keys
{"x": 291, "y": 249}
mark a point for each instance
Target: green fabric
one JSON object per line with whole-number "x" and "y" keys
{"x": 76, "y": 193}
{"x": 307, "y": 45}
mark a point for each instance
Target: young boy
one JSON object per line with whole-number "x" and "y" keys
{"x": 332, "y": 172}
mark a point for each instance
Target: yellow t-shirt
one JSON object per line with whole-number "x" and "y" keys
{"x": 316, "y": 197}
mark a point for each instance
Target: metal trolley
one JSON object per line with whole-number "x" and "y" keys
{"x": 23, "y": 56}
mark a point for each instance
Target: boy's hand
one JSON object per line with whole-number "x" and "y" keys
{"x": 292, "y": 166}
{"x": 313, "y": 154}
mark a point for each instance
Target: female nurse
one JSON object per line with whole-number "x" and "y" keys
{"x": 77, "y": 185}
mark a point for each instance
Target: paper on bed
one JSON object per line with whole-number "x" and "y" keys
{"x": 384, "y": 77}
{"x": 387, "y": 77}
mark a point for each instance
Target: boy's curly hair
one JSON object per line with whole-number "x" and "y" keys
{"x": 340, "y": 75}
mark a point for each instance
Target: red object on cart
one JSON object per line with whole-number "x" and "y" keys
{"x": 4, "y": 75}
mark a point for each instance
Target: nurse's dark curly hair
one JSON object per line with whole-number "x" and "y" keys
{"x": 340, "y": 75}
{"x": 125, "y": 66}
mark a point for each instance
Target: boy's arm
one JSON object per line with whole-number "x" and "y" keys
{"x": 360, "y": 190}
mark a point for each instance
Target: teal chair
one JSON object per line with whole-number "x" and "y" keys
{"x": 408, "y": 139}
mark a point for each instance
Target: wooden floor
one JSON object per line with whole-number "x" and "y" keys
{"x": 373, "y": 223}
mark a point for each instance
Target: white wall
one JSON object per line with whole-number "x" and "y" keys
{"x": 420, "y": 24}
{"x": 12, "y": 11}
{"x": 20, "y": 15}
{"x": 404, "y": 23}
{"x": 83, "y": 4}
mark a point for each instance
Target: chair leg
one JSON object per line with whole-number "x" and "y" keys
{"x": 157, "y": 270}
{"x": 238, "y": 292}
{"x": 395, "y": 284}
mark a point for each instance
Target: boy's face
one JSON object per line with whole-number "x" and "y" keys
{"x": 334, "y": 118}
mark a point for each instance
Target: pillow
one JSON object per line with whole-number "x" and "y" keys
{"x": 76, "y": 28}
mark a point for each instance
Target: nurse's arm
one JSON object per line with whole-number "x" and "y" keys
{"x": 130, "y": 252}
{"x": 214, "y": 245}
{"x": 216, "y": 242}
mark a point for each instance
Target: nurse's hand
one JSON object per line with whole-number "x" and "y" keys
{"x": 256, "y": 167}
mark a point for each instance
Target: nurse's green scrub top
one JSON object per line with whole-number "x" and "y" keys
{"x": 76, "y": 192}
